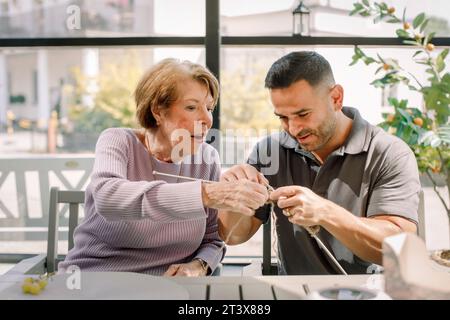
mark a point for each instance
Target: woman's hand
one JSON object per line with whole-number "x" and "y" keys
{"x": 246, "y": 172}
{"x": 190, "y": 269}
{"x": 242, "y": 196}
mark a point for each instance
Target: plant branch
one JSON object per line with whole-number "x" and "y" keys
{"x": 414, "y": 77}
{"x": 437, "y": 192}
{"x": 443, "y": 164}
{"x": 444, "y": 167}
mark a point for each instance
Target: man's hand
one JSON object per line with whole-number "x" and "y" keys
{"x": 301, "y": 205}
{"x": 191, "y": 269}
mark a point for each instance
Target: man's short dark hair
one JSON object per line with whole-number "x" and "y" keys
{"x": 295, "y": 66}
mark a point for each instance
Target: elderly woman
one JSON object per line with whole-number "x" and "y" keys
{"x": 139, "y": 221}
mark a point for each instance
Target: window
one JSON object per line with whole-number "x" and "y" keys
{"x": 79, "y": 83}
{"x": 328, "y": 18}
{"x": 102, "y": 18}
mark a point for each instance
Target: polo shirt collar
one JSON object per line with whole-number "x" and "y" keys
{"x": 358, "y": 140}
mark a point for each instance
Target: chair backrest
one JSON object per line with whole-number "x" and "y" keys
{"x": 74, "y": 199}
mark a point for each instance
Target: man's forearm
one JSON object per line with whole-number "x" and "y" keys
{"x": 363, "y": 236}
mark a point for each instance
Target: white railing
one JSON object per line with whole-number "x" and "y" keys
{"x": 24, "y": 191}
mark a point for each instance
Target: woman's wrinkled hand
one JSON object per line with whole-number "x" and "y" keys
{"x": 241, "y": 196}
{"x": 190, "y": 269}
{"x": 244, "y": 172}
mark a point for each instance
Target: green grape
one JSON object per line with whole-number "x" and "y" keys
{"x": 26, "y": 287}
{"x": 34, "y": 288}
{"x": 28, "y": 280}
{"x": 42, "y": 283}
{"x": 34, "y": 285}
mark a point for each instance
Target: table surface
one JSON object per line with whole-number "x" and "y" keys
{"x": 205, "y": 288}
{"x": 271, "y": 287}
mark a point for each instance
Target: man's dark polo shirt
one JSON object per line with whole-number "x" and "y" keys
{"x": 373, "y": 173}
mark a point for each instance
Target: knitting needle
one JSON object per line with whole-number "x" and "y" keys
{"x": 181, "y": 177}
{"x": 329, "y": 254}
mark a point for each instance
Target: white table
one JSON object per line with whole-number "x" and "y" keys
{"x": 138, "y": 286}
{"x": 271, "y": 287}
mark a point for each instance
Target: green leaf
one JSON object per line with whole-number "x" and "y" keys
{"x": 355, "y": 61}
{"x": 357, "y": 7}
{"x": 384, "y": 125}
{"x": 402, "y": 33}
{"x": 431, "y": 35}
{"x": 403, "y": 104}
{"x": 383, "y": 6}
{"x": 393, "y": 20}
{"x": 381, "y": 59}
{"x": 378, "y": 19}
{"x": 400, "y": 129}
{"x": 412, "y": 42}
{"x": 418, "y": 20}
{"x": 378, "y": 83}
{"x": 393, "y": 102}
{"x": 428, "y": 38}
{"x": 444, "y": 54}
{"x": 405, "y": 115}
{"x": 404, "y": 15}
{"x": 417, "y": 53}
{"x": 446, "y": 78}
{"x": 358, "y": 51}
{"x": 379, "y": 69}
{"x": 368, "y": 60}
{"x": 437, "y": 99}
{"x": 424, "y": 25}
{"x": 366, "y": 2}
{"x": 365, "y": 14}
{"x": 406, "y": 134}
{"x": 440, "y": 64}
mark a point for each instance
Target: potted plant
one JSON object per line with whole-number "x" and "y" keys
{"x": 424, "y": 128}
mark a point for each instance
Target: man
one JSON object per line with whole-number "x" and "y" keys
{"x": 335, "y": 170}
